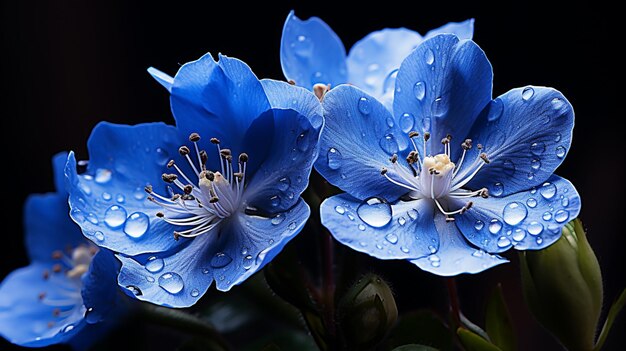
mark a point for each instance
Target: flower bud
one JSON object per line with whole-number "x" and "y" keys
{"x": 366, "y": 312}
{"x": 563, "y": 287}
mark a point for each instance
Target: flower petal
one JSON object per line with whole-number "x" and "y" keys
{"x": 58, "y": 171}
{"x": 99, "y": 291}
{"x": 25, "y": 317}
{"x": 284, "y": 174}
{"x": 283, "y": 95}
{"x": 528, "y": 220}
{"x": 164, "y": 79}
{"x": 123, "y": 160}
{"x": 242, "y": 247}
{"x": 48, "y": 227}
{"x": 402, "y": 230}
{"x": 374, "y": 60}
{"x": 311, "y": 53}
{"x": 356, "y": 144}
{"x": 443, "y": 84}
{"x": 526, "y": 133}
{"x": 463, "y": 30}
{"x": 455, "y": 255}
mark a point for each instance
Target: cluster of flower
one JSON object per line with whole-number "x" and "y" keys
{"x": 434, "y": 171}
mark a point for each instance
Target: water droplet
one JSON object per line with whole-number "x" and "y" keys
{"x": 432, "y": 249}
{"x": 154, "y": 264}
{"x": 495, "y": 226}
{"x": 171, "y": 282}
{"x": 537, "y": 148}
{"x": 220, "y": 260}
{"x": 548, "y": 190}
{"x": 292, "y": 226}
{"x": 392, "y": 238}
{"x": 390, "y": 122}
{"x": 419, "y": 89}
{"x": 137, "y": 225}
{"x": 247, "y": 262}
{"x": 412, "y": 214}
{"x": 339, "y": 209}
{"x": 478, "y": 253}
{"x": 99, "y": 235}
{"x": 278, "y": 219}
{"x": 106, "y": 196}
{"x": 150, "y": 279}
{"x": 135, "y": 290}
{"x": 429, "y": 57}
{"x": 68, "y": 328}
{"x": 401, "y": 221}
{"x": 283, "y": 184}
{"x": 479, "y": 225}
{"x": 503, "y": 242}
{"x": 365, "y": 106}
{"x": 557, "y": 103}
{"x": 194, "y": 293}
{"x": 303, "y": 141}
{"x": 496, "y": 109}
{"x": 532, "y": 203}
{"x": 565, "y": 201}
{"x": 406, "y": 122}
{"x": 546, "y": 216}
{"x": 115, "y": 216}
{"x": 404, "y": 249}
{"x": 302, "y": 46}
{"x": 528, "y": 93}
{"x": 350, "y": 217}
{"x": 92, "y": 316}
{"x": 139, "y": 194}
{"x": 497, "y": 189}
{"x": 390, "y": 82}
{"x": 85, "y": 188}
{"x": 361, "y": 227}
{"x": 205, "y": 271}
{"x": 439, "y": 107}
{"x": 535, "y": 228}
{"x": 275, "y": 200}
{"x": 389, "y": 144}
{"x": 519, "y": 234}
{"x": 561, "y": 216}
{"x": 92, "y": 218}
{"x": 375, "y": 212}
{"x": 539, "y": 240}
{"x": 334, "y": 158}
{"x": 514, "y": 213}
{"x": 535, "y": 164}
{"x": 120, "y": 198}
{"x": 560, "y": 152}
{"x": 102, "y": 176}
{"x": 509, "y": 167}
{"x": 557, "y": 137}
{"x": 162, "y": 156}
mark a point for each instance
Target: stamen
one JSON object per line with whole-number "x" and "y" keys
{"x": 194, "y": 137}
{"x": 169, "y": 178}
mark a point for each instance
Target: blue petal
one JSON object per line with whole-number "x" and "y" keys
{"x": 240, "y": 249}
{"x": 357, "y": 142}
{"x": 48, "y": 226}
{"x": 463, "y": 30}
{"x": 164, "y": 79}
{"x": 311, "y": 53}
{"x": 374, "y": 60}
{"x": 284, "y": 175}
{"x": 58, "y": 169}
{"x": 123, "y": 160}
{"x": 443, "y": 84}
{"x": 24, "y": 316}
{"x": 526, "y": 133}
{"x": 100, "y": 292}
{"x": 525, "y": 220}
{"x": 455, "y": 255}
{"x": 286, "y": 96}
{"x": 403, "y": 230}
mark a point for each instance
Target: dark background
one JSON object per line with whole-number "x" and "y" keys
{"x": 67, "y": 65}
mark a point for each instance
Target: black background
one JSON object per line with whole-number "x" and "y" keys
{"x": 68, "y": 64}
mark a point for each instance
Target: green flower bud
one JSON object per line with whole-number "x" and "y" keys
{"x": 563, "y": 287}
{"x": 366, "y": 312}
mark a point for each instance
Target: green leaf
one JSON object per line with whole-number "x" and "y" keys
{"x": 613, "y": 312}
{"x": 414, "y": 347}
{"x": 498, "y": 321}
{"x": 473, "y": 342}
{"x": 422, "y": 327}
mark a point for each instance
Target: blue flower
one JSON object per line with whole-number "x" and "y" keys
{"x": 68, "y": 288}
{"x": 223, "y": 185}
{"x": 411, "y": 191}
{"x": 311, "y": 53}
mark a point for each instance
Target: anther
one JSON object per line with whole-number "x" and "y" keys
{"x": 467, "y": 144}
{"x": 413, "y": 134}
{"x": 225, "y": 153}
{"x": 160, "y": 214}
{"x": 393, "y": 158}
{"x": 215, "y": 141}
{"x": 176, "y": 236}
{"x": 449, "y": 137}
{"x": 56, "y": 312}
{"x": 383, "y": 171}
{"x": 148, "y": 189}
{"x": 204, "y": 157}
{"x": 412, "y": 157}
{"x": 243, "y": 157}
{"x": 170, "y": 164}
{"x": 46, "y": 275}
{"x": 209, "y": 175}
{"x": 320, "y": 90}
{"x": 193, "y": 137}
{"x": 188, "y": 197}
{"x": 426, "y": 136}
{"x": 56, "y": 268}
{"x": 188, "y": 189}
{"x": 445, "y": 141}
{"x": 169, "y": 178}
{"x": 183, "y": 150}
{"x": 484, "y": 193}
{"x": 50, "y": 325}
{"x": 175, "y": 197}
{"x": 41, "y": 295}
{"x": 214, "y": 199}
{"x": 484, "y": 157}
{"x": 479, "y": 146}
{"x": 291, "y": 82}
{"x": 57, "y": 255}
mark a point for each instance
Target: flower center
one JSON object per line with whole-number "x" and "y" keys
{"x": 202, "y": 203}
{"x": 437, "y": 177}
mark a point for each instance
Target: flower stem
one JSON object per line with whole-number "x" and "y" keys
{"x": 181, "y": 321}
{"x": 454, "y": 301}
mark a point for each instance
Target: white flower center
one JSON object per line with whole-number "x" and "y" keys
{"x": 207, "y": 201}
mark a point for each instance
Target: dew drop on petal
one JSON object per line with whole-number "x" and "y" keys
{"x": 406, "y": 122}
{"x": 565, "y": 201}
{"x": 560, "y": 152}
{"x": 247, "y": 262}
{"x": 479, "y": 225}
{"x": 99, "y": 236}
{"x": 162, "y": 156}
{"x": 278, "y": 219}
{"x": 535, "y": 164}
{"x": 361, "y": 227}
{"x": 514, "y": 213}
{"x": 546, "y": 216}
{"x": 339, "y": 209}
{"x": 102, "y": 176}
{"x": 528, "y": 93}
{"x": 495, "y": 226}
{"x": 389, "y": 144}
{"x": 135, "y": 290}
{"x": 392, "y": 238}
{"x": 557, "y": 137}
{"x": 432, "y": 249}
{"x": 390, "y": 122}
{"x": 149, "y": 279}
{"x": 171, "y": 282}
{"x": 532, "y": 203}
{"x": 275, "y": 200}
{"x": 426, "y": 122}
{"x": 419, "y": 89}
{"x": 375, "y": 212}
{"x": 537, "y": 148}
{"x": 561, "y": 216}
{"x": 557, "y": 103}
{"x": 68, "y": 328}
{"x": 365, "y": 106}
{"x": 509, "y": 167}
{"x": 412, "y": 213}
{"x": 115, "y": 216}
{"x": 284, "y": 183}
{"x": 535, "y": 228}
{"x": 547, "y": 190}
{"x": 139, "y": 194}
{"x": 429, "y": 57}
{"x": 120, "y": 198}
{"x": 292, "y": 226}
{"x": 496, "y": 109}
{"x": 85, "y": 188}
{"x": 519, "y": 234}
{"x": 303, "y": 141}
{"x": 497, "y": 189}
{"x": 137, "y": 225}
{"x": 194, "y": 293}
{"x": 404, "y": 249}
{"x": 334, "y": 158}
{"x": 539, "y": 240}
{"x": 439, "y": 107}
{"x": 106, "y": 196}
{"x": 220, "y": 260}
{"x": 92, "y": 218}
{"x": 154, "y": 264}
{"x": 401, "y": 221}
{"x": 503, "y": 242}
